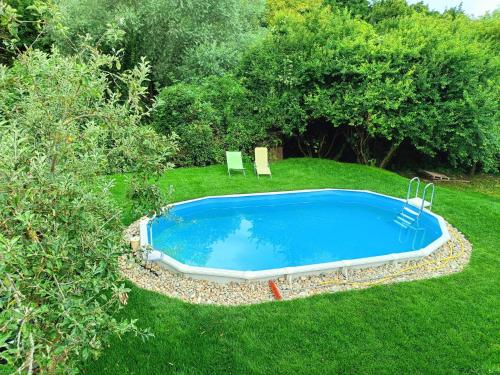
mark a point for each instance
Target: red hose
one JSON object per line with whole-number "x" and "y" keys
{"x": 275, "y": 290}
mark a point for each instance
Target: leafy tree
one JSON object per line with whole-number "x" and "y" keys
{"x": 181, "y": 39}
{"x": 451, "y": 100}
{"x": 61, "y": 128}
{"x": 487, "y": 28}
{"x": 421, "y": 80}
{"x": 276, "y": 6}
{"x": 308, "y": 58}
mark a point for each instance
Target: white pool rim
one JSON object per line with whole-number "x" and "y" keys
{"x": 223, "y": 275}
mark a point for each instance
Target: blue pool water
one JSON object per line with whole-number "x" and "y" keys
{"x": 259, "y": 232}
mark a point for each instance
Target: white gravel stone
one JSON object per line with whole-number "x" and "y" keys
{"x": 451, "y": 257}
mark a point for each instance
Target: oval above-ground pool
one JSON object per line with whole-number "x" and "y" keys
{"x": 268, "y": 235}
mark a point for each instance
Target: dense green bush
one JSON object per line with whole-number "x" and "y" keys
{"x": 23, "y": 24}
{"x": 357, "y": 8}
{"x": 61, "y": 128}
{"x": 182, "y": 109}
{"x": 182, "y": 39}
{"x": 209, "y": 117}
{"x": 414, "y": 78}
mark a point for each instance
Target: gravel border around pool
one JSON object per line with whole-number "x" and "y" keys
{"x": 449, "y": 258}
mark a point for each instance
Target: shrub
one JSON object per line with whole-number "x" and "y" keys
{"x": 199, "y": 145}
{"x": 61, "y": 127}
{"x": 209, "y": 117}
{"x": 23, "y": 24}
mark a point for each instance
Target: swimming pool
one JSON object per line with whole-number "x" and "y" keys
{"x": 259, "y": 236}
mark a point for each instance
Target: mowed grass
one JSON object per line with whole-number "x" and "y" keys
{"x": 447, "y": 325}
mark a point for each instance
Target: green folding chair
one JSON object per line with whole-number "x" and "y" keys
{"x": 234, "y": 162}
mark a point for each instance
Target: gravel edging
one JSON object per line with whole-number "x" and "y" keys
{"x": 449, "y": 258}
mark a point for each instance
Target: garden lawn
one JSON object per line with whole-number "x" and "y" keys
{"x": 445, "y": 325}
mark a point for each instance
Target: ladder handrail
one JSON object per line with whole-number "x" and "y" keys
{"x": 424, "y": 194}
{"x": 409, "y": 187}
{"x": 150, "y": 223}
{"x": 415, "y": 211}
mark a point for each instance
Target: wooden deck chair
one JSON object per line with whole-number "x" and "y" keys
{"x": 261, "y": 164}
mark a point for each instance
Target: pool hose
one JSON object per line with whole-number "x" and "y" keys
{"x": 443, "y": 263}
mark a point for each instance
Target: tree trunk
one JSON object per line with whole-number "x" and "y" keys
{"x": 299, "y": 143}
{"x": 390, "y": 154}
{"x": 338, "y": 155}
{"x": 473, "y": 169}
{"x": 362, "y": 153}
{"x": 330, "y": 147}
{"x": 319, "y": 150}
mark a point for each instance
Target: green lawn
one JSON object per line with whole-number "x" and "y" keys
{"x": 441, "y": 326}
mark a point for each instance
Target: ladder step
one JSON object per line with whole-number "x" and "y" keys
{"x": 407, "y": 209}
{"x": 402, "y": 219}
{"x": 403, "y": 225}
{"x": 417, "y": 202}
{"x": 407, "y": 216}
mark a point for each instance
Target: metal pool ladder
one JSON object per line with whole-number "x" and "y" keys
{"x": 413, "y": 207}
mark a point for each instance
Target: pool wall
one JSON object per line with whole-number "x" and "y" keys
{"x": 223, "y": 275}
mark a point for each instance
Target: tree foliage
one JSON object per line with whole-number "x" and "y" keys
{"x": 412, "y": 78}
{"x": 61, "y": 129}
{"x": 24, "y": 24}
{"x": 209, "y": 117}
{"x": 182, "y": 39}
